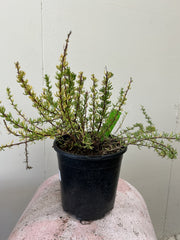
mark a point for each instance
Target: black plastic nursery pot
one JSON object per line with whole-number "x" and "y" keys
{"x": 88, "y": 183}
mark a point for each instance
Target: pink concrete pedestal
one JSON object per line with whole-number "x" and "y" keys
{"x": 44, "y": 218}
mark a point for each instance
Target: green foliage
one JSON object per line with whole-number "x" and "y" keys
{"x": 87, "y": 117}
{"x": 110, "y": 122}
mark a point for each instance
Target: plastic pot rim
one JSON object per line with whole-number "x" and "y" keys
{"x": 90, "y": 157}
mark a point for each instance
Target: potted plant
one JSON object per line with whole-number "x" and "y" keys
{"x": 81, "y": 122}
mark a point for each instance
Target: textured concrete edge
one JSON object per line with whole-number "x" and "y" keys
{"x": 129, "y": 198}
{"x": 37, "y": 193}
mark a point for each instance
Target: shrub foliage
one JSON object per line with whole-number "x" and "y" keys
{"x": 86, "y": 117}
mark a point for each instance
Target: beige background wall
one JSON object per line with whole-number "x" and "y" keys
{"x": 138, "y": 39}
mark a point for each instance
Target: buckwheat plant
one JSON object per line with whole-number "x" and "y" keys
{"x": 86, "y": 118}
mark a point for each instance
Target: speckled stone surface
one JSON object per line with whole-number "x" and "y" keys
{"x": 44, "y": 218}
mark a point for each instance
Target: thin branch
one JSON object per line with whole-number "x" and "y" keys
{"x": 9, "y": 130}
{"x": 32, "y": 95}
{"x": 16, "y": 144}
{"x": 61, "y": 70}
{"x": 105, "y": 93}
{"x": 19, "y": 111}
{"x": 123, "y": 100}
{"x": 26, "y": 155}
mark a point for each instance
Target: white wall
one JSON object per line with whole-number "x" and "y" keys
{"x": 138, "y": 39}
